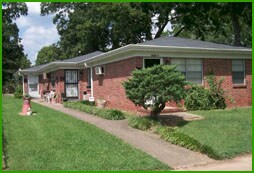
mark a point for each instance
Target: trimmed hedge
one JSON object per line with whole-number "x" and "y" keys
{"x": 172, "y": 135}
{"x": 110, "y": 114}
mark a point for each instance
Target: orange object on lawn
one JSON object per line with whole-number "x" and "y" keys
{"x": 26, "y": 106}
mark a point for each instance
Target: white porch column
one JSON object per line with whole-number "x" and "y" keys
{"x": 23, "y": 84}
{"x": 91, "y": 72}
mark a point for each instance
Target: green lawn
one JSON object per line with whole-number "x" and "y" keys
{"x": 51, "y": 140}
{"x": 227, "y": 132}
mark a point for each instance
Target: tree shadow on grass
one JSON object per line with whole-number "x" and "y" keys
{"x": 172, "y": 120}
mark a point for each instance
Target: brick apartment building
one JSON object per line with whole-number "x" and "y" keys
{"x": 100, "y": 75}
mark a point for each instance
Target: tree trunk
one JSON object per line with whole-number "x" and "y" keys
{"x": 178, "y": 32}
{"x": 236, "y": 27}
{"x": 156, "y": 110}
{"x": 159, "y": 32}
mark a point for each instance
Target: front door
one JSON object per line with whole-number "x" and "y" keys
{"x": 71, "y": 83}
{"x": 33, "y": 87}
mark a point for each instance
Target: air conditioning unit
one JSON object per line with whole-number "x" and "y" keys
{"x": 99, "y": 70}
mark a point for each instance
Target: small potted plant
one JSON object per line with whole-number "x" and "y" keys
{"x": 101, "y": 103}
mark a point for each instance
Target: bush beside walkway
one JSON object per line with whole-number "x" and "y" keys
{"x": 222, "y": 134}
{"x": 110, "y": 114}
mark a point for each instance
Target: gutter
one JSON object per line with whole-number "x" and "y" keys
{"x": 168, "y": 49}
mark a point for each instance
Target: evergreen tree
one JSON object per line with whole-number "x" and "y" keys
{"x": 11, "y": 43}
{"x": 153, "y": 87}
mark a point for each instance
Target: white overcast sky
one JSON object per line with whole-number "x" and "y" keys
{"x": 37, "y": 31}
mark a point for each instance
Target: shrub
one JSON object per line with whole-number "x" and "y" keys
{"x": 199, "y": 98}
{"x": 111, "y": 114}
{"x": 153, "y": 87}
{"x": 86, "y": 102}
{"x": 174, "y": 136}
{"x": 116, "y": 115}
{"x": 216, "y": 92}
{"x": 18, "y": 92}
{"x": 142, "y": 123}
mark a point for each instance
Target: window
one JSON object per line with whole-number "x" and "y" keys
{"x": 238, "y": 71}
{"x": 71, "y": 83}
{"x": 149, "y": 62}
{"x": 191, "y": 68}
{"x": 89, "y": 77}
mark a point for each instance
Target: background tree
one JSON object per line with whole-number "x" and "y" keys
{"x": 87, "y": 27}
{"x": 228, "y": 23}
{"x": 153, "y": 87}
{"x": 24, "y": 62}
{"x": 11, "y": 43}
{"x": 97, "y": 26}
{"x": 48, "y": 54}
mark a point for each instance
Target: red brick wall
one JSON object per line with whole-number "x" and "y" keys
{"x": 83, "y": 83}
{"x": 109, "y": 86}
{"x": 223, "y": 68}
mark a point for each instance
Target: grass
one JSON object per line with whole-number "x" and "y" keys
{"x": 51, "y": 140}
{"x": 222, "y": 134}
{"x": 227, "y": 132}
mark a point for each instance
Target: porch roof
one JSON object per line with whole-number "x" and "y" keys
{"x": 68, "y": 63}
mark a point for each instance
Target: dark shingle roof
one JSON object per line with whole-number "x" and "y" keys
{"x": 71, "y": 60}
{"x": 83, "y": 57}
{"x": 36, "y": 67}
{"x": 184, "y": 42}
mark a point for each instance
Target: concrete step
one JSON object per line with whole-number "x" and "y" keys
{"x": 167, "y": 109}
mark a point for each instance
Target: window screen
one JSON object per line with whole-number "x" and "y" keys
{"x": 238, "y": 71}
{"x": 191, "y": 68}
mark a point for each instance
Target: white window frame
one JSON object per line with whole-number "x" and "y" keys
{"x": 186, "y": 74}
{"x": 160, "y": 58}
{"x": 244, "y": 77}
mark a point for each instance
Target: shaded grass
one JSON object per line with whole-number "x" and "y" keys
{"x": 227, "y": 132}
{"x": 51, "y": 140}
{"x": 222, "y": 134}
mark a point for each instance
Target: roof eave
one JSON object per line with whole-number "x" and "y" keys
{"x": 173, "y": 51}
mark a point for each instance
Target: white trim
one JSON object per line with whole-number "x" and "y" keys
{"x": 148, "y": 50}
{"x": 91, "y": 72}
{"x": 108, "y": 58}
{"x": 244, "y": 73}
{"x": 23, "y": 78}
{"x": 35, "y": 94}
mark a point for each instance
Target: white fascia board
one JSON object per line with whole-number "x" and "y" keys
{"x": 167, "y": 51}
{"x": 52, "y": 67}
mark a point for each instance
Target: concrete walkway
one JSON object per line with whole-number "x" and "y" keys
{"x": 239, "y": 163}
{"x": 172, "y": 155}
